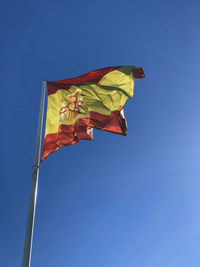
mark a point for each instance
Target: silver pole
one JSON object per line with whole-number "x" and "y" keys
{"x": 34, "y": 186}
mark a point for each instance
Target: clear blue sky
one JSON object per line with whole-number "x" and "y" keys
{"x": 116, "y": 201}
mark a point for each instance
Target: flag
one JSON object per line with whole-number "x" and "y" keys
{"x": 93, "y": 100}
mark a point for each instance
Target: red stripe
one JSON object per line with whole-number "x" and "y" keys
{"x": 113, "y": 123}
{"x": 71, "y": 134}
{"x": 90, "y": 77}
{"x": 138, "y": 73}
{"x": 67, "y": 135}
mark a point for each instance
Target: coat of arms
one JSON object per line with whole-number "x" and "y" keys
{"x": 70, "y": 109}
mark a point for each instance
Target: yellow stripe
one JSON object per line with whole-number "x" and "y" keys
{"x": 112, "y": 92}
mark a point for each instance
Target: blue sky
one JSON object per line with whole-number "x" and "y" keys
{"x": 116, "y": 201}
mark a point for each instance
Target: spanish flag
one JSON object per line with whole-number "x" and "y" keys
{"x": 93, "y": 100}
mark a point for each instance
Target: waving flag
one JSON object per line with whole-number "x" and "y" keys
{"x": 93, "y": 100}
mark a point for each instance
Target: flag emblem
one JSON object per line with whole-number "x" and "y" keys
{"x": 70, "y": 109}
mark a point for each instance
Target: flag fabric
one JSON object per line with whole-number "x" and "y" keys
{"x": 93, "y": 100}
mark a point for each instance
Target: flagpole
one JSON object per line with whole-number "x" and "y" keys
{"x": 34, "y": 186}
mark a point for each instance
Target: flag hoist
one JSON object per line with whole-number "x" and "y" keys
{"x": 76, "y": 106}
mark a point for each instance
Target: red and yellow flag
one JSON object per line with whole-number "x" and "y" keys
{"x": 93, "y": 100}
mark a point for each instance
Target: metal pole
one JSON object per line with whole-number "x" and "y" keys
{"x": 34, "y": 186}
